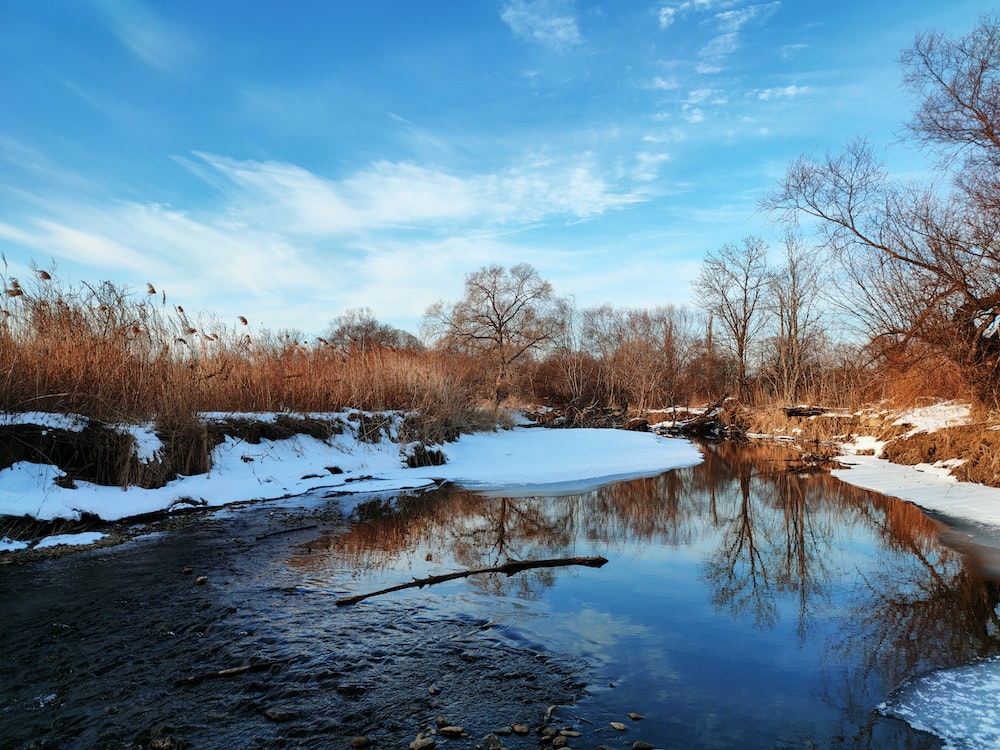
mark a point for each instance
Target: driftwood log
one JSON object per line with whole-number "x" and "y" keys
{"x": 508, "y": 568}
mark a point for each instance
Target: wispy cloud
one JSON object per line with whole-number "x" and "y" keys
{"x": 548, "y": 22}
{"x": 660, "y": 83}
{"x": 146, "y": 34}
{"x": 401, "y": 194}
{"x": 692, "y": 114}
{"x": 277, "y": 233}
{"x": 667, "y": 15}
{"x": 648, "y": 165}
{"x": 734, "y": 20}
{"x": 707, "y": 96}
{"x": 789, "y": 51}
{"x": 731, "y": 23}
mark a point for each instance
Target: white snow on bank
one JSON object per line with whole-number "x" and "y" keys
{"x": 85, "y": 538}
{"x": 518, "y": 461}
{"x": 934, "y": 417}
{"x": 931, "y": 487}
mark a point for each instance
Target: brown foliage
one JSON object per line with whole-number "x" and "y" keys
{"x": 977, "y": 446}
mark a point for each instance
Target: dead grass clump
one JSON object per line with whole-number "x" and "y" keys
{"x": 976, "y": 446}
{"x": 828, "y": 427}
{"x": 98, "y": 454}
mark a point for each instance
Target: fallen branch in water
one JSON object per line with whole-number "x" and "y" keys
{"x": 508, "y": 568}
{"x": 287, "y": 531}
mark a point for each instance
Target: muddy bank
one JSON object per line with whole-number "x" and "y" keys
{"x": 126, "y": 646}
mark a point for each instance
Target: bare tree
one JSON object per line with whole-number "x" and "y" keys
{"x": 793, "y": 300}
{"x": 927, "y": 258}
{"x": 732, "y": 287}
{"x": 504, "y": 315}
{"x": 358, "y": 329}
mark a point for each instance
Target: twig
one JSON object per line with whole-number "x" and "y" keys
{"x": 286, "y": 531}
{"x": 508, "y": 568}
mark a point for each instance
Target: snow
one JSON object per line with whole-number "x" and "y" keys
{"x": 518, "y": 461}
{"x": 934, "y": 417}
{"x": 87, "y": 537}
{"x": 959, "y": 705}
{"x": 929, "y": 486}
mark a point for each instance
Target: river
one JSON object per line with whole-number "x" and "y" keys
{"x": 748, "y": 602}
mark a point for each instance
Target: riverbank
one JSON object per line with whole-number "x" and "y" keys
{"x": 352, "y": 461}
{"x": 262, "y": 457}
{"x": 937, "y": 457}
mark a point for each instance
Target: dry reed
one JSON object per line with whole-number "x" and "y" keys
{"x": 115, "y": 356}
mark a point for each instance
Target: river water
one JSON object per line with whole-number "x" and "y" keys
{"x": 747, "y": 603}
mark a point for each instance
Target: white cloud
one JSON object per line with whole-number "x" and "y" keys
{"x": 790, "y": 50}
{"x": 548, "y": 22}
{"x": 693, "y": 115}
{"x": 731, "y": 23}
{"x": 664, "y": 84}
{"x": 782, "y": 92}
{"x": 667, "y": 16}
{"x": 707, "y": 96}
{"x": 281, "y": 241}
{"x": 400, "y": 194}
{"x": 734, "y": 20}
{"x": 648, "y": 165}
{"x": 721, "y": 46}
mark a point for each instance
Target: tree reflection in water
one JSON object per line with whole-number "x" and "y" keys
{"x": 778, "y": 545}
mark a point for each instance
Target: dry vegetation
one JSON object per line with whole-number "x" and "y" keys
{"x": 975, "y": 448}
{"x": 117, "y": 357}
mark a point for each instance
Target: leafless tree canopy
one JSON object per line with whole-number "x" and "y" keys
{"x": 927, "y": 256}
{"x": 503, "y": 315}
{"x": 732, "y": 287}
{"x": 358, "y": 329}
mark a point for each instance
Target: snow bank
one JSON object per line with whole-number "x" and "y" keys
{"x": 522, "y": 460}
{"x": 959, "y": 705}
{"x": 931, "y": 487}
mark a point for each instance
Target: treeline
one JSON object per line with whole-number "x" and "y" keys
{"x": 120, "y": 355}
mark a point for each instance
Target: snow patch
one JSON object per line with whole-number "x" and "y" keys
{"x": 81, "y": 539}
{"x": 960, "y": 705}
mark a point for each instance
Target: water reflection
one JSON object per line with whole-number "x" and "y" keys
{"x": 861, "y": 583}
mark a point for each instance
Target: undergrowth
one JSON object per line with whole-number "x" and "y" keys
{"x": 116, "y": 356}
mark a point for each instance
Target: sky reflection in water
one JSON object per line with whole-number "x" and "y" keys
{"x": 744, "y": 605}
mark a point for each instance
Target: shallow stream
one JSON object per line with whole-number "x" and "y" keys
{"x": 747, "y": 603}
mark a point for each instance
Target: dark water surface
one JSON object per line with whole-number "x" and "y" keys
{"x": 745, "y": 605}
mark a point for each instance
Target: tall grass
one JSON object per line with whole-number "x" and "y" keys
{"x": 117, "y": 355}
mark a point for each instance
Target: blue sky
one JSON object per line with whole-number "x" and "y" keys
{"x": 289, "y": 161}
